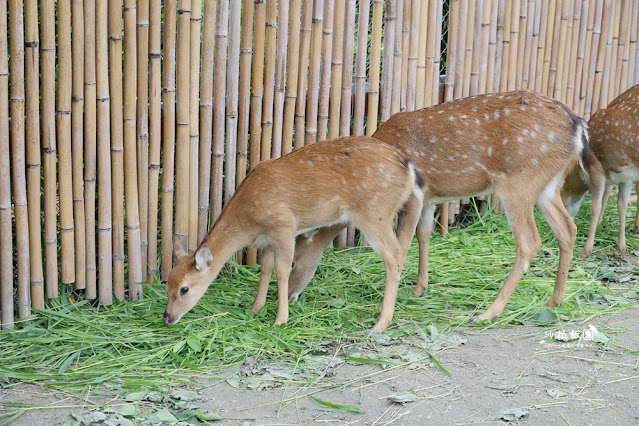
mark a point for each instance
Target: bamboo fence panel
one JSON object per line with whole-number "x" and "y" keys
{"x": 388, "y": 59}
{"x": 90, "y": 155}
{"x": 312, "y": 97}
{"x": 6, "y": 237}
{"x": 280, "y": 73}
{"x": 32, "y": 134}
{"x": 360, "y": 77}
{"x": 142, "y": 131}
{"x": 155, "y": 133}
{"x": 302, "y": 74}
{"x": 406, "y": 26}
{"x": 421, "y": 52}
{"x": 269, "y": 79}
{"x": 293, "y": 56}
{"x": 194, "y": 124}
{"x": 168, "y": 133}
{"x": 339, "y": 29}
{"x": 77, "y": 142}
{"x": 325, "y": 70}
{"x": 103, "y": 151}
{"x": 411, "y": 75}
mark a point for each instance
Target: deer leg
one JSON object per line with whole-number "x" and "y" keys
{"x": 622, "y": 206}
{"x": 407, "y": 221}
{"x": 266, "y": 271}
{"x": 604, "y": 202}
{"x": 284, "y": 250}
{"x": 522, "y": 223}
{"x": 308, "y": 253}
{"x": 636, "y": 228}
{"x": 424, "y": 231}
{"x": 597, "y": 190}
{"x": 565, "y": 230}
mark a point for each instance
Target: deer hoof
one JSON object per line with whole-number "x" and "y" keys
{"x": 585, "y": 253}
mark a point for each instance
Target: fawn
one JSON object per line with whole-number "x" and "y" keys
{"x": 519, "y": 145}
{"x": 332, "y": 183}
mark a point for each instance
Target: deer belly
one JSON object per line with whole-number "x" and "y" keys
{"x": 629, "y": 173}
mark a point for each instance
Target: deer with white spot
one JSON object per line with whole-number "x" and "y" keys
{"x": 519, "y": 145}
{"x": 356, "y": 180}
{"x": 613, "y": 159}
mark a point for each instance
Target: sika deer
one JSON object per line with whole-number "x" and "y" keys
{"x": 613, "y": 159}
{"x": 351, "y": 180}
{"x": 519, "y": 145}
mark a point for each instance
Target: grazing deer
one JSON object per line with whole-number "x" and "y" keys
{"x": 519, "y": 145}
{"x": 354, "y": 180}
{"x": 613, "y": 159}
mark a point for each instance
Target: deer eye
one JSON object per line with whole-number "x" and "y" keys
{"x": 184, "y": 290}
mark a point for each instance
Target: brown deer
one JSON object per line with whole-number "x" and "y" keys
{"x": 354, "y": 180}
{"x": 613, "y": 159}
{"x": 519, "y": 145}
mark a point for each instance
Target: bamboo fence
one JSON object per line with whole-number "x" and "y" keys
{"x": 132, "y": 146}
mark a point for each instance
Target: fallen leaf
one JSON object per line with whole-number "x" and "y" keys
{"x": 510, "y": 415}
{"x": 403, "y": 398}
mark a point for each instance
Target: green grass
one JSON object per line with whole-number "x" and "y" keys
{"x": 72, "y": 345}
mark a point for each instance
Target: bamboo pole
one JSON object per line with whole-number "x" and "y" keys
{"x": 337, "y": 68}
{"x": 438, "y": 52}
{"x": 420, "y": 82}
{"x": 541, "y": 46}
{"x": 77, "y": 142}
{"x": 609, "y": 70}
{"x": 505, "y": 56}
{"x": 514, "y": 45}
{"x": 134, "y": 248}
{"x": 33, "y": 151}
{"x": 360, "y": 77}
{"x": 194, "y": 125}
{"x": 103, "y": 151}
{"x": 65, "y": 186}
{"x": 460, "y": 46}
{"x": 375, "y": 65}
{"x": 531, "y": 39}
{"x": 232, "y": 90}
{"x": 280, "y": 75}
{"x": 6, "y": 232}
{"x": 325, "y": 70}
{"x": 347, "y": 86}
{"x": 576, "y": 44}
{"x": 293, "y": 56}
{"x": 302, "y": 75}
{"x": 600, "y": 99}
{"x": 587, "y": 67}
{"x": 312, "y": 97}
{"x": 390, "y": 18}
{"x": 622, "y": 53}
{"x": 142, "y": 131}
{"x": 634, "y": 31}
{"x": 581, "y": 53}
{"x": 219, "y": 107}
{"x": 493, "y": 10}
{"x": 430, "y": 88}
{"x": 553, "y": 49}
{"x": 594, "y": 57}
{"x": 563, "y": 64}
{"x": 18, "y": 169}
{"x": 483, "y": 54}
{"x": 521, "y": 44}
{"x": 269, "y": 80}
{"x": 396, "y": 94}
{"x": 206, "y": 117}
{"x": 168, "y": 134}
{"x": 499, "y": 45}
{"x": 469, "y": 44}
{"x": 155, "y": 132}
{"x": 478, "y": 48}
{"x": 406, "y": 35}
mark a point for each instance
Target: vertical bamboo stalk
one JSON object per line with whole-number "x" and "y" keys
{"x": 183, "y": 146}
{"x": 574, "y": 53}
{"x": 634, "y": 32}
{"x": 375, "y": 68}
{"x": 483, "y": 53}
{"x": 206, "y": 117}
{"x": 117, "y": 144}
{"x": 142, "y": 121}
{"x": 514, "y": 45}
{"x": 532, "y": 36}
{"x": 469, "y": 43}
{"x": 430, "y": 89}
{"x": 594, "y": 57}
{"x": 406, "y": 35}
{"x": 438, "y": 52}
{"x": 420, "y": 75}
{"x": 65, "y": 187}
{"x": 312, "y": 97}
{"x": 492, "y": 44}
{"x": 33, "y": 151}
{"x": 390, "y": 17}
{"x": 611, "y": 70}
{"x": 587, "y": 66}
{"x": 292, "y": 69}
{"x": 219, "y": 107}
{"x": 269, "y": 80}
{"x": 600, "y": 97}
{"x": 77, "y": 142}
{"x": 168, "y": 134}
{"x": 49, "y": 161}
{"x": 302, "y": 75}
{"x": 325, "y": 70}
{"x": 397, "y": 59}
{"x": 569, "y": 5}
{"x": 103, "y": 150}
{"x": 134, "y": 248}
{"x": 461, "y": 49}
{"x": 541, "y": 46}
{"x": 505, "y": 56}
{"x": 622, "y": 53}
{"x": 90, "y": 129}
{"x": 336, "y": 71}
{"x": 194, "y": 125}
{"x": 360, "y": 76}
{"x": 636, "y": 62}
{"x": 280, "y": 77}
{"x": 6, "y": 232}
{"x": 16, "y": 44}
{"x": 232, "y": 90}
{"x": 476, "y": 53}
{"x": 552, "y": 47}
{"x": 347, "y": 86}
{"x": 581, "y": 53}
{"x": 499, "y": 45}
{"x": 521, "y": 44}
{"x": 155, "y": 131}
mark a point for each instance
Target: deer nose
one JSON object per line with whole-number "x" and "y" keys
{"x": 166, "y": 318}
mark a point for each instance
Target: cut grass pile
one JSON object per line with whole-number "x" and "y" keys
{"x": 72, "y": 345}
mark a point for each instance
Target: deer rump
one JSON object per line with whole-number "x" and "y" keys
{"x": 518, "y": 145}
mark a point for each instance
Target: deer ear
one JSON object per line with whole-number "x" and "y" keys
{"x": 178, "y": 250}
{"x": 203, "y": 258}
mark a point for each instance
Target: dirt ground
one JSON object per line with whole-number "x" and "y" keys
{"x": 512, "y": 375}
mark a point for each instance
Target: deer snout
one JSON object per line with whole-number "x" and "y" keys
{"x": 168, "y": 320}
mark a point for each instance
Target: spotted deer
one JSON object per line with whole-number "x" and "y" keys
{"x": 613, "y": 159}
{"x": 519, "y": 145}
{"x": 354, "y": 180}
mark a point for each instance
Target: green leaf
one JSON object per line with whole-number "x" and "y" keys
{"x": 194, "y": 343}
{"x": 178, "y": 346}
{"x": 370, "y": 360}
{"x": 441, "y": 367}
{"x": 599, "y": 337}
{"x": 403, "y": 398}
{"x": 136, "y": 396}
{"x": 542, "y": 317}
{"x": 126, "y": 410}
{"x": 339, "y": 408}
{"x": 163, "y": 416}
{"x": 509, "y": 415}
{"x": 465, "y": 239}
{"x": 67, "y": 362}
{"x": 185, "y": 395}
